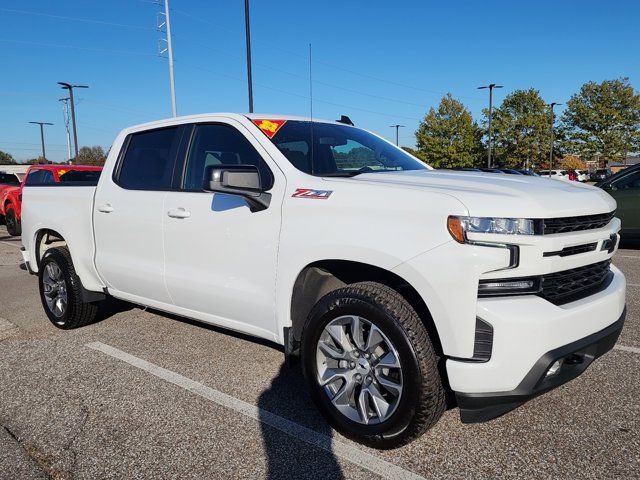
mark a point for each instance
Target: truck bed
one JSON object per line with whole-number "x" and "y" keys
{"x": 65, "y": 209}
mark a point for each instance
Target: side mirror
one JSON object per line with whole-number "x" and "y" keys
{"x": 241, "y": 180}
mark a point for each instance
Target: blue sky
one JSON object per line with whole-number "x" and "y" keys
{"x": 379, "y": 62}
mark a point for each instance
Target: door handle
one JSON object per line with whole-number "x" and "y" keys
{"x": 179, "y": 213}
{"x": 106, "y": 208}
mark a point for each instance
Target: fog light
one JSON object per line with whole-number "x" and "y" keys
{"x": 508, "y": 286}
{"x": 553, "y": 369}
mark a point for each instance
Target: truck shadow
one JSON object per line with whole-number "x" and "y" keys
{"x": 288, "y": 457}
{"x": 286, "y": 400}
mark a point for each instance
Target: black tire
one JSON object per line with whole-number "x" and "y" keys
{"x": 423, "y": 399}
{"x": 77, "y": 312}
{"x": 14, "y": 228}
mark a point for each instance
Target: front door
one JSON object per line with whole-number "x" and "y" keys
{"x": 220, "y": 258}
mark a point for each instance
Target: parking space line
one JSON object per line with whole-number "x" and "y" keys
{"x": 633, "y": 285}
{"x": 625, "y": 256}
{"x": 347, "y": 452}
{"x": 17, "y": 245}
{"x": 624, "y": 348}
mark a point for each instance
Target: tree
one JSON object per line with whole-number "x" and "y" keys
{"x": 572, "y": 162}
{"x": 448, "y": 137}
{"x": 602, "y": 121}
{"x": 6, "y": 158}
{"x": 521, "y": 130}
{"x": 90, "y": 156}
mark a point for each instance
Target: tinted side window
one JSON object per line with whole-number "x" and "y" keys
{"x": 148, "y": 161}
{"x": 47, "y": 177}
{"x": 631, "y": 181}
{"x": 221, "y": 145}
{"x": 34, "y": 177}
{"x": 9, "y": 179}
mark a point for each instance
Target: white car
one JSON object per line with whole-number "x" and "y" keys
{"x": 583, "y": 175}
{"x": 555, "y": 174}
{"x": 395, "y": 283}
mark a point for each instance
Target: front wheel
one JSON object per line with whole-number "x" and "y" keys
{"x": 371, "y": 367}
{"x": 14, "y": 228}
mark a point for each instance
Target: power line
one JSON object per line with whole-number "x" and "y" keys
{"x": 75, "y": 47}
{"x": 306, "y": 97}
{"x": 75, "y": 19}
{"x": 327, "y": 64}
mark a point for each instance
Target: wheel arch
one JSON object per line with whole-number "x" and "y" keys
{"x": 321, "y": 277}
{"x": 46, "y": 237}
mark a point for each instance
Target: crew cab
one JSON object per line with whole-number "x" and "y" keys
{"x": 399, "y": 287}
{"x": 43, "y": 175}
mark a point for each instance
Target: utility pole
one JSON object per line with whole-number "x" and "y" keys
{"x": 42, "y": 124}
{"x": 164, "y": 26}
{"x": 491, "y": 86}
{"x": 551, "y": 105}
{"x": 70, "y": 87}
{"x": 67, "y": 121}
{"x": 247, "y": 29}
{"x": 397, "y": 127}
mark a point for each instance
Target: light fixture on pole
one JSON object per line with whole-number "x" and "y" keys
{"x": 42, "y": 124}
{"x": 70, "y": 87}
{"x": 397, "y": 127}
{"x": 491, "y": 86}
{"x": 551, "y": 105}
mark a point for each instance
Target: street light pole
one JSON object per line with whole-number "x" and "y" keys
{"x": 247, "y": 31}
{"x": 174, "y": 110}
{"x": 397, "y": 127}
{"x": 551, "y": 105}
{"x": 491, "y": 86}
{"x": 42, "y": 124}
{"x": 65, "y": 115}
{"x": 70, "y": 87}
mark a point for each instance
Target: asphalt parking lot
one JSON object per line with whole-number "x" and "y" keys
{"x": 141, "y": 394}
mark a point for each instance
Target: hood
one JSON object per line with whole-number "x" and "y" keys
{"x": 503, "y": 195}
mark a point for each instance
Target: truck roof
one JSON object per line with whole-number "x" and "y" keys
{"x": 52, "y": 167}
{"x": 203, "y": 117}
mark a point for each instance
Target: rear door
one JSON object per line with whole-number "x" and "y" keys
{"x": 128, "y": 215}
{"x": 220, "y": 258}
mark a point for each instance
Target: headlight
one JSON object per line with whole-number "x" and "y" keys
{"x": 459, "y": 226}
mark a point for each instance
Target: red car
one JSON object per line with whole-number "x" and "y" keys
{"x": 40, "y": 175}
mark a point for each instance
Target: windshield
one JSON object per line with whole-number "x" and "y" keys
{"x": 339, "y": 150}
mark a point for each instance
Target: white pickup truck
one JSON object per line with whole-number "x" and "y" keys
{"x": 403, "y": 289}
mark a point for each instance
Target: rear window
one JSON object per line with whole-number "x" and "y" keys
{"x": 149, "y": 160}
{"x": 80, "y": 176}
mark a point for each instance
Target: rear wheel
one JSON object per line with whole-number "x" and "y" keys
{"x": 13, "y": 224}
{"x": 371, "y": 367}
{"x": 61, "y": 291}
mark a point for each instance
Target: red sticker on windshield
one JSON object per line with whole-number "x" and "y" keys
{"x": 269, "y": 127}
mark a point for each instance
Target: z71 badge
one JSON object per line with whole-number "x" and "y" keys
{"x": 310, "y": 193}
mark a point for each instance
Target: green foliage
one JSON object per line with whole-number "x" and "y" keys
{"x": 521, "y": 130}
{"x": 602, "y": 121}
{"x": 355, "y": 158}
{"x": 448, "y": 137}
{"x": 90, "y": 156}
{"x": 6, "y": 158}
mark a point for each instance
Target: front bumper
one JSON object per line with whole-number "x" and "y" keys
{"x": 575, "y": 357}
